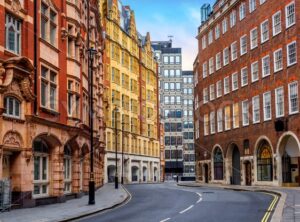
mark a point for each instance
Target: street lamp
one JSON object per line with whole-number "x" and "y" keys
{"x": 116, "y": 144}
{"x": 91, "y": 52}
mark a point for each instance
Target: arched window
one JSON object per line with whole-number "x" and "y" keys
{"x": 264, "y": 163}
{"x": 13, "y": 28}
{"x": 218, "y": 164}
{"x": 41, "y": 162}
{"x": 12, "y": 107}
{"x": 68, "y": 168}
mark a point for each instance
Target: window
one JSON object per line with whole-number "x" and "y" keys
{"x": 166, "y": 73}
{"x": 267, "y": 106}
{"x": 219, "y": 88}
{"x": 276, "y": 23}
{"x": 224, "y": 26}
{"x": 205, "y": 95}
{"x": 227, "y": 118}
{"x": 264, "y": 163}
{"x": 218, "y": 61}
{"x": 244, "y": 76}
{"x": 226, "y": 56}
{"x": 266, "y": 66}
{"x": 211, "y": 66}
{"x": 166, "y": 99}
{"x": 235, "y": 115}
{"x": 166, "y": 86}
{"x": 234, "y": 51}
{"x": 177, "y": 59}
{"x": 12, "y": 107}
{"x": 245, "y": 112}
{"x": 242, "y": 10}
{"x": 220, "y": 120}
{"x": 290, "y": 14}
{"x": 171, "y": 59}
{"x": 264, "y": 30}
{"x": 226, "y": 85}
{"x": 212, "y": 123}
{"x": 204, "y": 42}
{"x": 291, "y": 53}
{"x": 252, "y": 5}
{"x": 262, "y": 1}
{"x": 279, "y": 101}
{"x": 212, "y": 92}
{"x": 234, "y": 79}
{"x": 256, "y": 109}
{"x": 243, "y": 42}
{"x": 13, "y": 38}
{"x": 204, "y": 70}
{"x": 210, "y": 37}
{"x": 48, "y": 24}
{"x": 232, "y": 18}
{"x": 206, "y": 126}
{"x": 254, "y": 72}
{"x": 253, "y": 38}
{"x": 217, "y": 31}
{"x": 48, "y": 88}
{"x": 40, "y": 168}
{"x": 67, "y": 168}
{"x": 166, "y": 60}
{"x": 171, "y": 73}
{"x": 177, "y": 73}
{"x": 73, "y": 99}
{"x": 278, "y": 60}
{"x": 293, "y": 98}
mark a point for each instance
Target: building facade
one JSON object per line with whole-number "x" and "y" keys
{"x": 171, "y": 109}
{"x": 131, "y": 99}
{"x": 188, "y": 125}
{"x": 247, "y": 94}
{"x": 44, "y": 134}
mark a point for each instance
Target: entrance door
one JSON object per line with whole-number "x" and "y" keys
{"x": 6, "y": 167}
{"x": 236, "y": 171}
{"x": 206, "y": 173}
{"x": 248, "y": 173}
{"x": 286, "y": 168}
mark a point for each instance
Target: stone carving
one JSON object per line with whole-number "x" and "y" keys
{"x": 16, "y": 6}
{"x": 12, "y": 139}
{"x": 27, "y": 89}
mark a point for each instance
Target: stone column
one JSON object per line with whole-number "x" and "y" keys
{"x": 56, "y": 176}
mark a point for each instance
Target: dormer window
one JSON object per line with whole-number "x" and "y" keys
{"x": 12, "y": 107}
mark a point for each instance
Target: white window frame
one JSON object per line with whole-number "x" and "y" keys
{"x": 243, "y": 50}
{"x": 235, "y": 81}
{"x": 218, "y": 61}
{"x": 210, "y": 37}
{"x": 234, "y": 51}
{"x": 255, "y": 108}
{"x": 297, "y": 99}
{"x": 262, "y": 31}
{"x": 264, "y": 74}
{"x": 219, "y": 88}
{"x": 212, "y": 94}
{"x": 206, "y": 125}
{"x": 16, "y": 109}
{"x": 224, "y": 26}
{"x": 205, "y": 95}
{"x": 204, "y": 44}
{"x": 42, "y": 182}
{"x": 245, "y": 113}
{"x": 242, "y": 11}
{"x": 212, "y": 121}
{"x": 267, "y": 104}
{"x": 235, "y": 116}
{"x": 254, "y": 65}
{"x": 220, "y": 120}
{"x": 217, "y": 31}
{"x": 227, "y": 119}
{"x": 279, "y": 103}
{"x": 16, "y": 25}
{"x": 232, "y": 18}
{"x": 276, "y": 32}
{"x": 226, "y": 83}
{"x": 289, "y": 63}
{"x": 204, "y": 70}
{"x": 276, "y": 60}
{"x": 252, "y": 5}
{"x": 287, "y": 16}
{"x": 253, "y": 41}
{"x": 244, "y": 71}
{"x": 226, "y": 56}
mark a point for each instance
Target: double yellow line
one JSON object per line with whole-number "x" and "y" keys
{"x": 271, "y": 207}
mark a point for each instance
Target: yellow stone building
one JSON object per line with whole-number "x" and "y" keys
{"x": 131, "y": 82}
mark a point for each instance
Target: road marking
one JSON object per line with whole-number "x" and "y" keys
{"x": 297, "y": 205}
{"x": 165, "y": 219}
{"x": 269, "y": 210}
{"x": 190, "y": 207}
{"x": 200, "y": 197}
{"x": 297, "y": 212}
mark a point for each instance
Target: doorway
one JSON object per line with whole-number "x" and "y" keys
{"x": 236, "y": 167}
{"x": 248, "y": 176}
{"x": 205, "y": 173}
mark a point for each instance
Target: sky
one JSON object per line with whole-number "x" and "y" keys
{"x": 178, "y": 18}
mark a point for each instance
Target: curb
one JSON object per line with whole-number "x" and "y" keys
{"x": 127, "y": 199}
{"x": 278, "y": 211}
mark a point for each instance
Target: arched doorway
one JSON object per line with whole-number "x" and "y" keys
{"x": 205, "y": 173}
{"x": 236, "y": 166}
{"x": 290, "y": 161}
{"x": 264, "y": 162}
{"x": 218, "y": 164}
{"x": 111, "y": 173}
{"x": 134, "y": 174}
{"x": 248, "y": 173}
{"x": 145, "y": 174}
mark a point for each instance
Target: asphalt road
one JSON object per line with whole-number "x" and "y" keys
{"x": 167, "y": 202}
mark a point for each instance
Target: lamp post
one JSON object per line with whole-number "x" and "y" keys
{"x": 91, "y": 52}
{"x": 122, "y": 176}
{"x": 116, "y": 144}
{"x": 176, "y": 160}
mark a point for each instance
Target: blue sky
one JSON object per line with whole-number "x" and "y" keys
{"x": 179, "y": 18}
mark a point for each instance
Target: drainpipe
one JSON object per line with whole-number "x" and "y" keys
{"x": 35, "y": 106}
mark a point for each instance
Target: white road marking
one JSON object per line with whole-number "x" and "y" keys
{"x": 200, "y": 197}
{"x": 165, "y": 220}
{"x": 297, "y": 205}
{"x": 190, "y": 207}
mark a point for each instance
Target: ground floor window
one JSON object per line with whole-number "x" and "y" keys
{"x": 264, "y": 163}
{"x": 67, "y": 169}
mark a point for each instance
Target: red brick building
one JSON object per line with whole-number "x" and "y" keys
{"x": 247, "y": 94}
{"x": 44, "y": 68}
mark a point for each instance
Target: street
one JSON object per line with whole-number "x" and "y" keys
{"x": 167, "y": 202}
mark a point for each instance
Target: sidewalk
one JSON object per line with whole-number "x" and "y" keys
{"x": 106, "y": 198}
{"x": 287, "y": 209}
